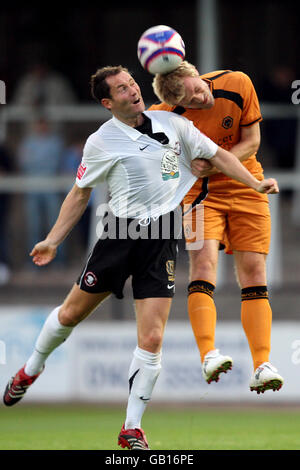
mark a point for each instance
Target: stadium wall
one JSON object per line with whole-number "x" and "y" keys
{"x": 92, "y": 365}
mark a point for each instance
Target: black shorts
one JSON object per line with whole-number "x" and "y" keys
{"x": 151, "y": 263}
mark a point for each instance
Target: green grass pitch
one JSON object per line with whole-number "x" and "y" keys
{"x": 81, "y": 427}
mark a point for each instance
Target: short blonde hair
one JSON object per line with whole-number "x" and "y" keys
{"x": 169, "y": 87}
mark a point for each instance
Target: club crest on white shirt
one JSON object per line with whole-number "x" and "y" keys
{"x": 169, "y": 165}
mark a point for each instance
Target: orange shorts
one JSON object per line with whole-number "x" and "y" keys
{"x": 234, "y": 214}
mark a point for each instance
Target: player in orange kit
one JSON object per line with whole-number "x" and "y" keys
{"x": 224, "y": 106}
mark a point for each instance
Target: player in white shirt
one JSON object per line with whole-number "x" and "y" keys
{"x": 145, "y": 158}
{"x": 145, "y": 178}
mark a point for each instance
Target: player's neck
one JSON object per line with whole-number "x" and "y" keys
{"x": 132, "y": 121}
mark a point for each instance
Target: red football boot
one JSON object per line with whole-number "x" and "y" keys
{"x": 17, "y": 387}
{"x": 133, "y": 439}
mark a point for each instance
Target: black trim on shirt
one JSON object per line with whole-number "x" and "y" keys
{"x": 146, "y": 128}
{"x": 179, "y": 110}
{"x": 200, "y": 196}
{"x": 250, "y": 123}
{"x": 218, "y": 75}
{"x": 229, "y": 95}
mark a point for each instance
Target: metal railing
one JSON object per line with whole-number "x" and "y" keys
{"x": 88, "y": 113}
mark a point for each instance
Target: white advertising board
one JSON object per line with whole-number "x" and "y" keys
{"x": 92, "y": 365}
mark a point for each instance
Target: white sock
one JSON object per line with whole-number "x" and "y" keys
{"x": 143, "y": 373}
{"x": 51, "y": 336}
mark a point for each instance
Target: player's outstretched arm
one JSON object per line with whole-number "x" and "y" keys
{"x": 43, "y": 253}
{"x": 71, "y": 210}
{"x": 200, "y": 167}
{"x": 228, "y": 164}
{"x": 268, "y": 186}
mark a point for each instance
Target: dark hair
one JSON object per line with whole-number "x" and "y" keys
{"x": 99, "y": 86}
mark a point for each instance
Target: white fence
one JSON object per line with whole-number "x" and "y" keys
{"x": 90, "y": 113}
{"x": 96, "y": 358}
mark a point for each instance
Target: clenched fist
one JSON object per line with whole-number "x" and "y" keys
{"x": 268, "y": 186}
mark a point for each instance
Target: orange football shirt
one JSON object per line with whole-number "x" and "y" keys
{"x": 236, "y": 105}
{"x": 227, "y": 202}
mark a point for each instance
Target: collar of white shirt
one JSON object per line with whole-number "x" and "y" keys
{"x": 133, "y": 133}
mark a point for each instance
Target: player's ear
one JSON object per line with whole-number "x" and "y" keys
{"x": 106, "y": 102}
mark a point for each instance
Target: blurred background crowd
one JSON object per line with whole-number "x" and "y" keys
{"x": 46, "y": 60}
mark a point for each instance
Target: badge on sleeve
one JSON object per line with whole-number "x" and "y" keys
{"x": 81, "y": 170}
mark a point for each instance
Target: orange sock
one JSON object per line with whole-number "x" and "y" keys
{"x": 203, "y": 315}
{"x": 256, "y": 316}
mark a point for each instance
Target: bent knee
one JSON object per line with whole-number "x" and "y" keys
{"x": 203, "y": 268}
{"x": 152, "y": 340}
{"x": 251, "y": 280}
{"x": 70, "y": 315}
{"x": 252, "y": 274}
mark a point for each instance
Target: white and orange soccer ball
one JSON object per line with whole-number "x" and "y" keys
{"x": 160, "y": 49}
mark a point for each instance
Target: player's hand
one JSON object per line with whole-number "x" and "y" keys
{"x": 43, "y": 253}
{"x": 268, "y": 186}
{"x": 200, "y": 166}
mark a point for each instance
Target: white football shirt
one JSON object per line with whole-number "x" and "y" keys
{"x": 145, "y": 178}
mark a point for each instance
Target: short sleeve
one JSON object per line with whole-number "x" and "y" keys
{"x": 94, "y": 167}
{"x": 196, "y": 144}
{"x": 251, "y": 110}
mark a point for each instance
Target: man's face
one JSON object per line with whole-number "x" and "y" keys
{"x": 126, "y": 101}
{"x": 197, "y": 94}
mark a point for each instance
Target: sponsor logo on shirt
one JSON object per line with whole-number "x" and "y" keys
{"x": 169, "y": 165}
{"x": 81, "y": 170}
{"x": 144, "y": 147}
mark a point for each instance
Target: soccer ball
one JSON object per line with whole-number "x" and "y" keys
{"x": 160, "y": 49}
